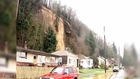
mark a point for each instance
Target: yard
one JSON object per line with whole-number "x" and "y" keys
{"x": 92, "y": 72}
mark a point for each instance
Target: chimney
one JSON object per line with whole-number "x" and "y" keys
{"x": 6, "y": 47}
{"x": 25, "y": 45}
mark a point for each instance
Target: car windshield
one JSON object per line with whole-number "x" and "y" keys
{"x": 57, "y": 70}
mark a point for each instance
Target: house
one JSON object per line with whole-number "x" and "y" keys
{"x": 100, "y": 59}
{"x": 67, "y": 58}
{"x": 108, "y": 63}
{"x": 111, "y": 62}
{"x": 85, "y": 62}
{"x": 29, "y": 57}
{"x": 7, "y": 64}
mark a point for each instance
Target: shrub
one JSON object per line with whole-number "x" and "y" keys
{"x": 103, "y": 66}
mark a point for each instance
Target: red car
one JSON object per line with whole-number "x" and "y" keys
{"x": 62, "y": 72}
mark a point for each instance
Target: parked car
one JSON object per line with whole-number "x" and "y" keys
{"x": 122, "y": 67}
{"x": 116, "y": 69}
{"x": 62, "y": 72}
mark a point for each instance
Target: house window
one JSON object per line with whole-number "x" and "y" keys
{"x": 3, "y": 61}
{"x": 52, "y": 59}
{"x": 81, "y": 61}
{"x": 69, "y": 61}
{"x": 88, "y": 62}
{"x": 23, "y": 55}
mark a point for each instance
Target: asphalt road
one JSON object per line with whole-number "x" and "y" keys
{"x": 119, "y": 75}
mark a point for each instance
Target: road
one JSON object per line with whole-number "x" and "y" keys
{"x": 119, "y": 75}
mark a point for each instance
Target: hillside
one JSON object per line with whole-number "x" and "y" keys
{"x": 49, "y": 19}
{"x": 51, "y": 26}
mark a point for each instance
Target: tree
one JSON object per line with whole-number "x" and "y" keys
{"x": 129, "y": 58}
{"x": 49, "y": 41}
{"x": 90, "y": 41}
{"x": 101, "y": 50}
{"x": 29, "y": 28}
{"x": 26, "y": 10}
{"x": 7, "y": 24}
{"x": 110, "y": 52}
{"x": 127, "y": 62}
{"x": 95, "y": 61}
{"x": 134, "y": 53}
{"x": 114, "y": 48}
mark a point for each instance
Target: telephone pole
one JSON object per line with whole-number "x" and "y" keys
{"x": 104, "y": 49}
{"x": 119, "y": 58}
{"x": 17, "y": 4}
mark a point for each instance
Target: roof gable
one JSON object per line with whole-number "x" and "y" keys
{"x": 63, "y": 53}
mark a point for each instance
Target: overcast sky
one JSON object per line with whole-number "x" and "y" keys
{"x": 121, "y": 18}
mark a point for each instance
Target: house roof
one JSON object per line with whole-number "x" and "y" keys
{"x": 81, "y": 56}
{"x": 63, "y": 53}
{"x": 36, "y": 52}
{"x": 8, "y": 55}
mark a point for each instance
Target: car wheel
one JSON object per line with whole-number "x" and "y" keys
{"x": 75, "y": 78}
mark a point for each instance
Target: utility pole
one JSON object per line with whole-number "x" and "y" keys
{"x": 119, "y": 58}
{"x": 104, "y": 49}
{"x": 17, "y": 4}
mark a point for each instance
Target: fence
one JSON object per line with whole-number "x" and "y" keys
{"x": 31, "y": 72}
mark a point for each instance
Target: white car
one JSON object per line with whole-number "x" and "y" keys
{"x": 116, "y": 69}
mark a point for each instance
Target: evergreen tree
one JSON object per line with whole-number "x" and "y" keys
{"x": 7, "y": 24}
{"x": 24, "y": 21}
{"x": 114, "y": 48}
{"x": 50, "y": 41}
{"x": 90, "y": 41}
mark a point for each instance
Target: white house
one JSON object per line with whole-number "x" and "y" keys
{"x": 107, "y": 63}
{"x": 67, "y": 57}
{"x": 7, "y": 65}
{"x": 85, "y": 62}
{"x": 29, "y": 56}
{"x": 101, "y": 59}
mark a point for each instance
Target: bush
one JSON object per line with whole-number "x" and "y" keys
{"x": 107, "y": 67}
{"x": 103, "y": 66}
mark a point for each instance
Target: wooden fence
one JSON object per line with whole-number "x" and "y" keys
{"x": 31, "y": 72}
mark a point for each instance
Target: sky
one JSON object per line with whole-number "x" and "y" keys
{"x": 121, "y": 19}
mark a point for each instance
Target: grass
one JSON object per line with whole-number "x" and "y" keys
{"x": 89, "y": 71}
{"x": 95, "y": 71}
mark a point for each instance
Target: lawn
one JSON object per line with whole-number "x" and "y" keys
{"x": 95, "y": 71}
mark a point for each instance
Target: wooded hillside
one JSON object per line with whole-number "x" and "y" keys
{"x": 77, "y": 36}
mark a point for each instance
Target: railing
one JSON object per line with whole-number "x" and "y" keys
{"x": 31, "y": 72}
{"x": 38, "y": 64}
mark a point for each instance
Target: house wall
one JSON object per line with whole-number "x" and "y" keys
{"x": 71, "y": 61}
{"x": 40, "y": 59}
{"x": 51, "y": 60}
{"x": 100, "y": 60}
{"x": 107, "y": 62}
{"x": 11, "y": 66}
{"x": 29, "y": 58}
{"x": 86, "y": 63}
